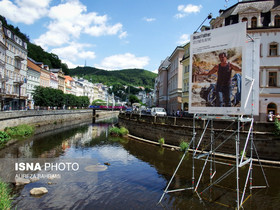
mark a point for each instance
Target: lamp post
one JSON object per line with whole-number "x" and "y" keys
{"x": 208, "y": 17}
{"x": 19, "y": 83}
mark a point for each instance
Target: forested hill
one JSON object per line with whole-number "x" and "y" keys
{"x": 135, "y": 77}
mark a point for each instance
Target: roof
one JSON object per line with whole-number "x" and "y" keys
{"x": 31, "y": 64}
{"x": 10, "y": 35}
{"x": 165, "y": 63}
{"x": 68, "y": 78}
{"x": 263, "y": 6}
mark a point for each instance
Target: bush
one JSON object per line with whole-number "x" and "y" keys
{"x": 4, "y": 137}
{"x": 183, "y": 146}
{"x": 277, "y": 127}
{"x": 5, "y": 202}
{"x": 161, "y": 141}
{"x": 115, "y": 131}
{"x": 123, "y": 131}
{"x": 21, "y": 131}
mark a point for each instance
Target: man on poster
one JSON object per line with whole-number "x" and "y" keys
{"x": 223, "y": 85}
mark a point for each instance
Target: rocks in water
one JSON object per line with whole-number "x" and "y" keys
{"x": 96, "y": 168}
{"x": 38, "y": 191}
{"x": 107, "y": 164}
{"x": 21, "y": 181}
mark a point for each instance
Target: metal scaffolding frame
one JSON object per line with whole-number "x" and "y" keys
{"x": 208, "y": 155}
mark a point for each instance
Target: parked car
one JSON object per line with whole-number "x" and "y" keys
{"x": 128, "y": 110}
{"x": 158, "y": 111}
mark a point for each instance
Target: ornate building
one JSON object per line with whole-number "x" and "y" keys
{"x": 263, "y": 21}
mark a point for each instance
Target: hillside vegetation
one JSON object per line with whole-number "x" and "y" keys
{"x": 136, "y": 77}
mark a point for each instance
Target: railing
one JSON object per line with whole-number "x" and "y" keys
{"x": 107, "y": 107}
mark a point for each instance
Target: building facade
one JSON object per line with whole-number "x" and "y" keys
{"x": 33, "y": 80}
{"x": 162, "y": 84}
{"x": 3, "y": 76}
{"x": 186, "y": 76}
{"x": 15, "y": 71}
{"x": 263, "y": 21}
{"x": 174, "y": 86}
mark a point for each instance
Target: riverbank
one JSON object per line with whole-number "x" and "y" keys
{"x": 51, "y": 120}
{"x": 175, "y": 130}
{"x": 221, "y": 155}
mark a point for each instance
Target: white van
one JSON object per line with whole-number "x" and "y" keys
{"x": 158, "y": 111}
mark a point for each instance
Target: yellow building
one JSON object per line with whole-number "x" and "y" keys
{"x": 186, "y": 69}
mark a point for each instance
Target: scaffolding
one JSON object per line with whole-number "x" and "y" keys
{"x": 208, "y": 155}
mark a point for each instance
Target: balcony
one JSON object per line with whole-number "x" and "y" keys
{"x": 19, "y": 58}
{"x": 19, "y": 83}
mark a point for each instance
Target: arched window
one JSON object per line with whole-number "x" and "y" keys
{"x": 245, "y": 20}
{"x": 254, "y": 22}
{"x": 277, "y": 21}
{"x": 272, "y": 108}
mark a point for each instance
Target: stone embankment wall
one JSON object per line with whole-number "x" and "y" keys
{"x": 57, "y": 118}
{"x": 174, "y": 130}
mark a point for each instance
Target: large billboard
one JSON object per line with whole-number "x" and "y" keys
{"x": 219, "y": 65}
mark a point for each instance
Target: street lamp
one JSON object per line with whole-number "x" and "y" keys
{"x": 19, "y": 83}
{"x": 208, "y": 17}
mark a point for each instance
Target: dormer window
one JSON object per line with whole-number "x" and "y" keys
{"x": 9, "y": 34}
{"x": 254, "y": 22}
{"x": 277, "y": 21}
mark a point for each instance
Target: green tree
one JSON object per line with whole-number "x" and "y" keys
{"x": 133, "y": 99}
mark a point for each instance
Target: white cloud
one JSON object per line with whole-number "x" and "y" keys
{"x": 187, "y": 9}
{"x": 123, "y": 61}
{"x": 70, "y": 19}
{"x": 123, "y": 35}
{"x": 73, "y": 52}
{"x": 149, "y": 19}
{"x": 185, "y": 38}
{"x": 24, "y": 11}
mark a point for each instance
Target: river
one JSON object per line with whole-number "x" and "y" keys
{"x": 122, "y": 173}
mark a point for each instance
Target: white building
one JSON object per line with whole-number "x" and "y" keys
{"x": 33, "y": 80}
{"x": 263, "y": 21}
{"x": 16, "y": 71}
{"x": 3, "y": 76}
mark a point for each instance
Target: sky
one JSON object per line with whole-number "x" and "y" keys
{"x": 110, "y": 34}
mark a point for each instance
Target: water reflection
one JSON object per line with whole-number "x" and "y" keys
{"x": 135, "y": 177}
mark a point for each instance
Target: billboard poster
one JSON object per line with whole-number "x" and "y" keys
{"x": 218, "y": 62}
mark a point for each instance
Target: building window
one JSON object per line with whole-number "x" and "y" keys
{"x": 272, "y": 108}
{"x": 272, "y": 79}
{"x": 273, "y": 49}
{"x": 277, "y": 21}
{"x": 245, "y": 20}
{"x": 261, "y": 48}
{"x": 254, "y": 22}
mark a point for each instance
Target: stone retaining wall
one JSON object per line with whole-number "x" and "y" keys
{"x": 47, "y": 117}
{"x": 174, "y": 130}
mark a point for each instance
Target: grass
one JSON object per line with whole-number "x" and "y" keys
{"x": 20, "y": 132}
{"x": 115, "y": 131}
{"x": 4, "y": 137}
{"x": 161, "y": 141}
{"x": 5, "y": 202}
{"x": 183, "y": 146}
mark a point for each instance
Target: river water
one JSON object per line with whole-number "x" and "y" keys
{"x": 122, "y": 173}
